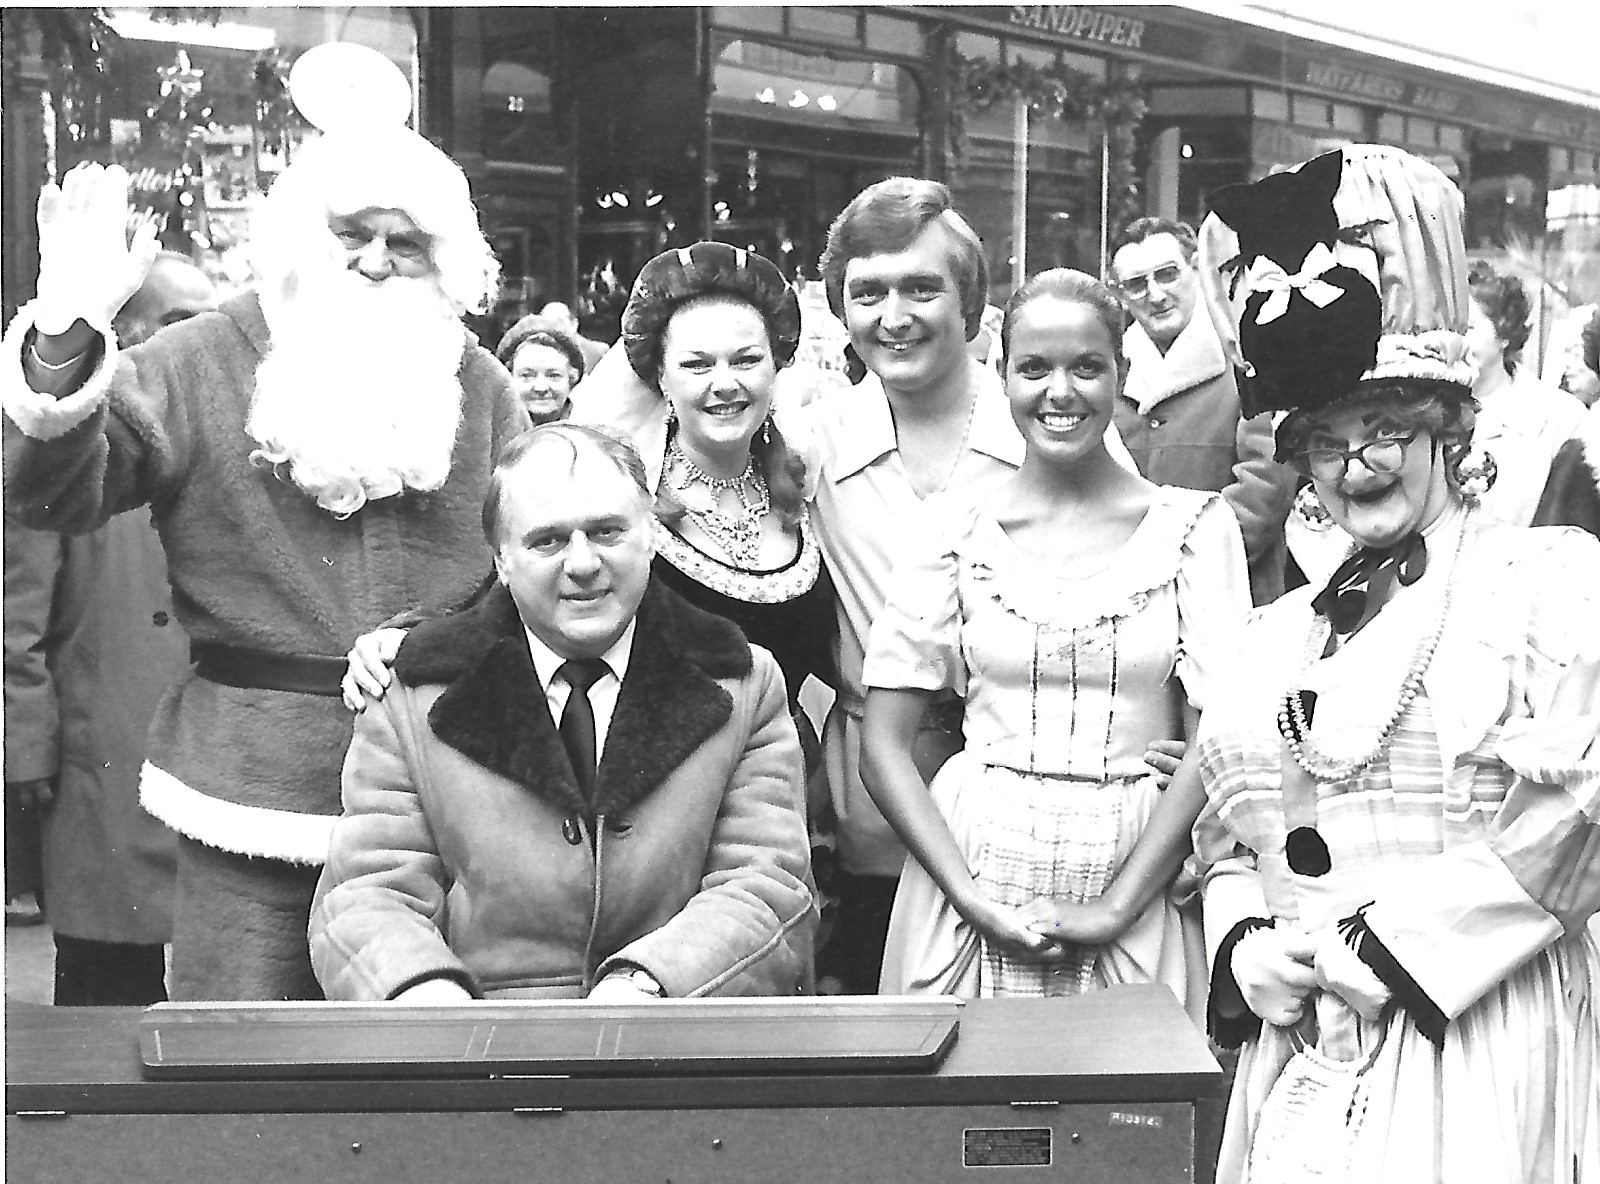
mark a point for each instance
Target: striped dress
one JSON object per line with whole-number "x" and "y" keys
{"x": 1066, "y": 682}
{"x": 1470, "y": 847}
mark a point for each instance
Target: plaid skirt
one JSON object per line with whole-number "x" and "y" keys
{"x": 1027, "y": 835}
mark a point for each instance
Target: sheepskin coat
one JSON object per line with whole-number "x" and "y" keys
{"x": 1178, "y": 413}
{"x": 253, "y": 560}
{"x": 467, "y": 851}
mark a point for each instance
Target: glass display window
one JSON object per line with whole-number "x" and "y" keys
{"x": 197, "y": 110}
{"x": 1031, "y": 184}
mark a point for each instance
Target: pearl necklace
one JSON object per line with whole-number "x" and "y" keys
{"x": 1296, "y": 729}
{"x": 739, "y": 533}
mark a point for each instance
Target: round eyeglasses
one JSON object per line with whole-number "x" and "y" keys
{"x": 1379, "y": 456}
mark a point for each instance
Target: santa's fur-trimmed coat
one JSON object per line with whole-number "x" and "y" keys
{"x": 254, "y": 561}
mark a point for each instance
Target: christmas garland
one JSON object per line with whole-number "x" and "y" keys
{"x": 1057, "y": 91}
{"x": 77, "y": 46}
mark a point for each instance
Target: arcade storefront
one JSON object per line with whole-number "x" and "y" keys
{"x": 596, "y": 137}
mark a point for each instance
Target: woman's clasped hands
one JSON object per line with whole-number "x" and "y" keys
{"x": 1012, "y": 930}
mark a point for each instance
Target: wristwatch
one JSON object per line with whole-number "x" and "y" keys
{"x": 639, "y": 979}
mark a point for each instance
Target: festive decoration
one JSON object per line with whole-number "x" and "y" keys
{"x": 77, "y": 46}
{"x": 1059, "y": 92}
{"x": 276, "y": 116}
{"x": 179, "y": 113}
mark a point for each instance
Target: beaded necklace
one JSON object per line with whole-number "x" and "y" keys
{"x": 739, "y": 533}
{"x": 1295, "y": 728}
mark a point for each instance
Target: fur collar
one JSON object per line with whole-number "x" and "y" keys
{"x": 494, "y": 711}
{"x": 1195, "y": 357}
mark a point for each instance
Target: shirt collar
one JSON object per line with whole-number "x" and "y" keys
{"x": 867, "y": 427}
{"x": 546, "y": 661}
{"x": 868, "y": 424}
{"x": 994, "y": 432}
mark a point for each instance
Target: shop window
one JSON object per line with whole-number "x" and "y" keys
{"x": 517, "y": 123}
{"x": 1392, "y": 128}
{"x": 1213, "y": 153}
{"x": 978, "y": 45}
{"x": 887, "y": 34}
{"x": 198, "y": 113}
{"x": 1275, "y": 147}
{"x": 1423, "y": 133}
{"x": 760, "y": 20}
{"x": 1030, "y": 186}
{"x": 1032, "y": 55}
{"x": 824, "y": 24}
{"x": 1506, "y": 195}
{"x": 1269, "y": 104}
{"x": 796, "y": 135}
{"x": 753, "y": 78}
{"x": 874, "y": 31}
{"x": 1349, "y": 118}
{"x": 1030, "y": 183}
{"x": 633, "y": 92}
{"x": 1309, "y": 112}
{"x": 516, "y": 112}
{"x": 1452, "y": 139}
{"x": 1182, "y": 101}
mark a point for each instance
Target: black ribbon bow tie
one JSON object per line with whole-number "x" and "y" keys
{"x": 1345, "y": 598}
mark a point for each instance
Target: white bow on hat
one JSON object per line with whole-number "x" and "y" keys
{"x": 1265, "y": 275}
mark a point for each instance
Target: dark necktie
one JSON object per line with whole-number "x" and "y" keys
{"x": 1362, "y": 582}
{"x": 577, "y": 719}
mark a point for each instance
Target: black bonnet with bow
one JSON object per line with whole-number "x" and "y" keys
{"x": 1347, "y": 270}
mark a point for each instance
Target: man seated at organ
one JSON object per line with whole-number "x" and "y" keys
{"x": 581, "y": 787}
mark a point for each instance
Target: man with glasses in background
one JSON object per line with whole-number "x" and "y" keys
{"x": 1179, "y": 407}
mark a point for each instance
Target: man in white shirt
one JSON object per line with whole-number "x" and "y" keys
{"x": 650, "y": 844}
{"x": 908, "y": 277}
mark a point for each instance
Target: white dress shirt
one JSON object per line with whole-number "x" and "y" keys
{"x": 602, "y": 695}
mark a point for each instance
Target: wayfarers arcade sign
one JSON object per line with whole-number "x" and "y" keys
{"x": 1140, "y": 32}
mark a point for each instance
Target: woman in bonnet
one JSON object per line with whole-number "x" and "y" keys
{"x": 707, "y": 329}
{"x": 1397, "y": 796}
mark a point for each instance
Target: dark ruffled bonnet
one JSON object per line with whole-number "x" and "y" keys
{"x": 706, "y": 269}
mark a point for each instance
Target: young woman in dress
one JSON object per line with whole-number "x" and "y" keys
{"x": 1081, "y": 612}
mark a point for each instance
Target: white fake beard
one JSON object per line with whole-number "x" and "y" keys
{"x": 359, "y": 396}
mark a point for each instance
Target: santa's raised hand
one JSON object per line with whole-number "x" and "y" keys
{"x": 87, "y": 269}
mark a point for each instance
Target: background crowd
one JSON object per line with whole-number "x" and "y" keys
{"x": 1186, "y": 629}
